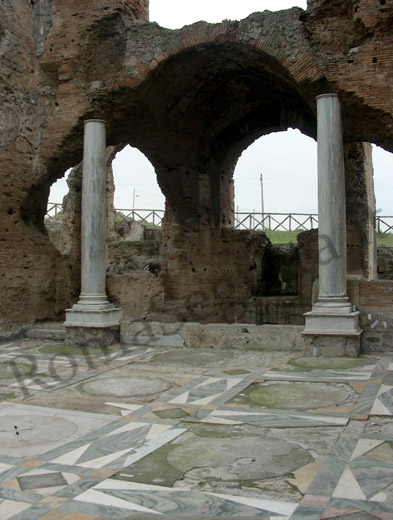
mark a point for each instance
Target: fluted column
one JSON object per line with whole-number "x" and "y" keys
{"x": 332, "y": 326}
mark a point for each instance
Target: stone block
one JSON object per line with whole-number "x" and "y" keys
{"x": 221, "y": 335}
{"x": 93, "y": 336}
{"x": 332, "y": 346}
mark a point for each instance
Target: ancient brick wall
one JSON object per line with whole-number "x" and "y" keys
{"x": 36, "y": 282}
{"x": 32, "y": 278}
{"x": 385, "y": 263}
{"x": 191, "y": 100}
{"x": 374, "y": 301}
{"x": 360, "y": 211}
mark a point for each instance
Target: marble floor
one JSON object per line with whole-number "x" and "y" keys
{"x": 137, "y": 431}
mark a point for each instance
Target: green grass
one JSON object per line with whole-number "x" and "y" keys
{"x": 385, "y": 239}
{"x": 283, "y": 237}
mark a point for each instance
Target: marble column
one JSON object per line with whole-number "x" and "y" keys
{"x": 93, "y": 320}
{"x": 332, "y": 326}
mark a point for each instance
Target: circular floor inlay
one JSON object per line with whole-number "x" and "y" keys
{"x": 312, "y": 363}
{"x": 131, "y": 386}
{"x": 24, "y": 430}
{"x": 244, "y": 458}
{"x": 191, "y": 357}
{"x": 299, "y": 395}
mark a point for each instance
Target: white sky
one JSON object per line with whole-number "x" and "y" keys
{"x": 287, "y": 160}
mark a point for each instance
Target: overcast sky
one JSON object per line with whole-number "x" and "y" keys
{"x": 287, "y": 160}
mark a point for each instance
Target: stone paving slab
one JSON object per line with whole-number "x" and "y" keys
{"x": 187, "y": 439}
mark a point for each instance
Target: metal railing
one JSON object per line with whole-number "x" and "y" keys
{"x": 249, "y": 221}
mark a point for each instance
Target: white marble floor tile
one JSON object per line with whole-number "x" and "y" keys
{"x": 135, "y": 425}
{"x": 379, "y": 409}
{"x": 348, "y": 487}
{"x": 284, "y": 508}
{"x": 100, "y": 462}
{"x": 93, "y": 496}
{"x": 10, "y": 508}
{"x": 364, "y": 446}
{"x": 72, "y": 457}
{"x": 5, "y": 467}
{"x": 157, "y": 429}
{"x": 126, "y": 406}
{"x": 205, "y": 400}
{"x": 209, "y": 381}
{"x": 180, "y": 399}
{"x": 130, "y": 486}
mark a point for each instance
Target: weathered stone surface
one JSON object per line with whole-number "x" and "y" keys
{"x": 280, "y": 270}
{"x": 308, "y": 264}
{"x": 385, "y": 263}
{"x": 360, "y": 211}
{"x": 92, "y": 336}
{"x": 283, "y": 310}
{"x": 191, "y": 100}
{"x": 126, "y": 386}
{"x": 332, "y": 346}
{"x": 295, "y": 395}
{"x": 247, "y": 336}
{"x": 138, "y": 293}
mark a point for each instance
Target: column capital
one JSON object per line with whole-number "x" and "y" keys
{"x": 102, "y": 121}
{"x": 329, "y": 94}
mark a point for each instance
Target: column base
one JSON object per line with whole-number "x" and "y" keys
{"x": 92, "y": 336}
{"x": 332, "y": 346}
{"x": 96, "y": 327}
{"x": 331, "y": 334}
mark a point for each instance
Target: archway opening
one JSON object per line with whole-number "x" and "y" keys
{"x": 136, "y": 186}
{"x": 383, "y": 187}
{"x": 276, "y": 186}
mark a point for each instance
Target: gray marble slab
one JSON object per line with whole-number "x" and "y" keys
{"x": 33, "y": 513}
{"x": 327, "y": 478}
{"x": 367, "y": 398}
{"x": 307, "y": 512}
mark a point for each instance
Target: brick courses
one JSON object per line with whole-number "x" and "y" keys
{"x": 191, "y": 100}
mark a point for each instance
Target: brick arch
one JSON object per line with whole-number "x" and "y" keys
{"x": 210, "y": 102}
{"x": 109, "y": 62}
{"x": 204, "y": 94}
{"x": 112, "y": 82}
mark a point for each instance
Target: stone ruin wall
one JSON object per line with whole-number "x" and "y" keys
{"x": 64, "y": 61}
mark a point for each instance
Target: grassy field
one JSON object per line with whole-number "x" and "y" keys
{"x": 385, "y": 239}
{"x": 283, "y": 237}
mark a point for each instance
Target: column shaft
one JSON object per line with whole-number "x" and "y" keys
{"x": 331, "y": 200}
{"x": 93, "y": 214}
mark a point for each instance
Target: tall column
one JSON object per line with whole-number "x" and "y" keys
{"x": 93, "y": 320}
{"x": 93, "y": 215}
{"x": 332, "y": 241}
{"x": 332, "y": 326}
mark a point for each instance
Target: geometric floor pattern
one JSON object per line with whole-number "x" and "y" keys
{"x": 87, "y": 477}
